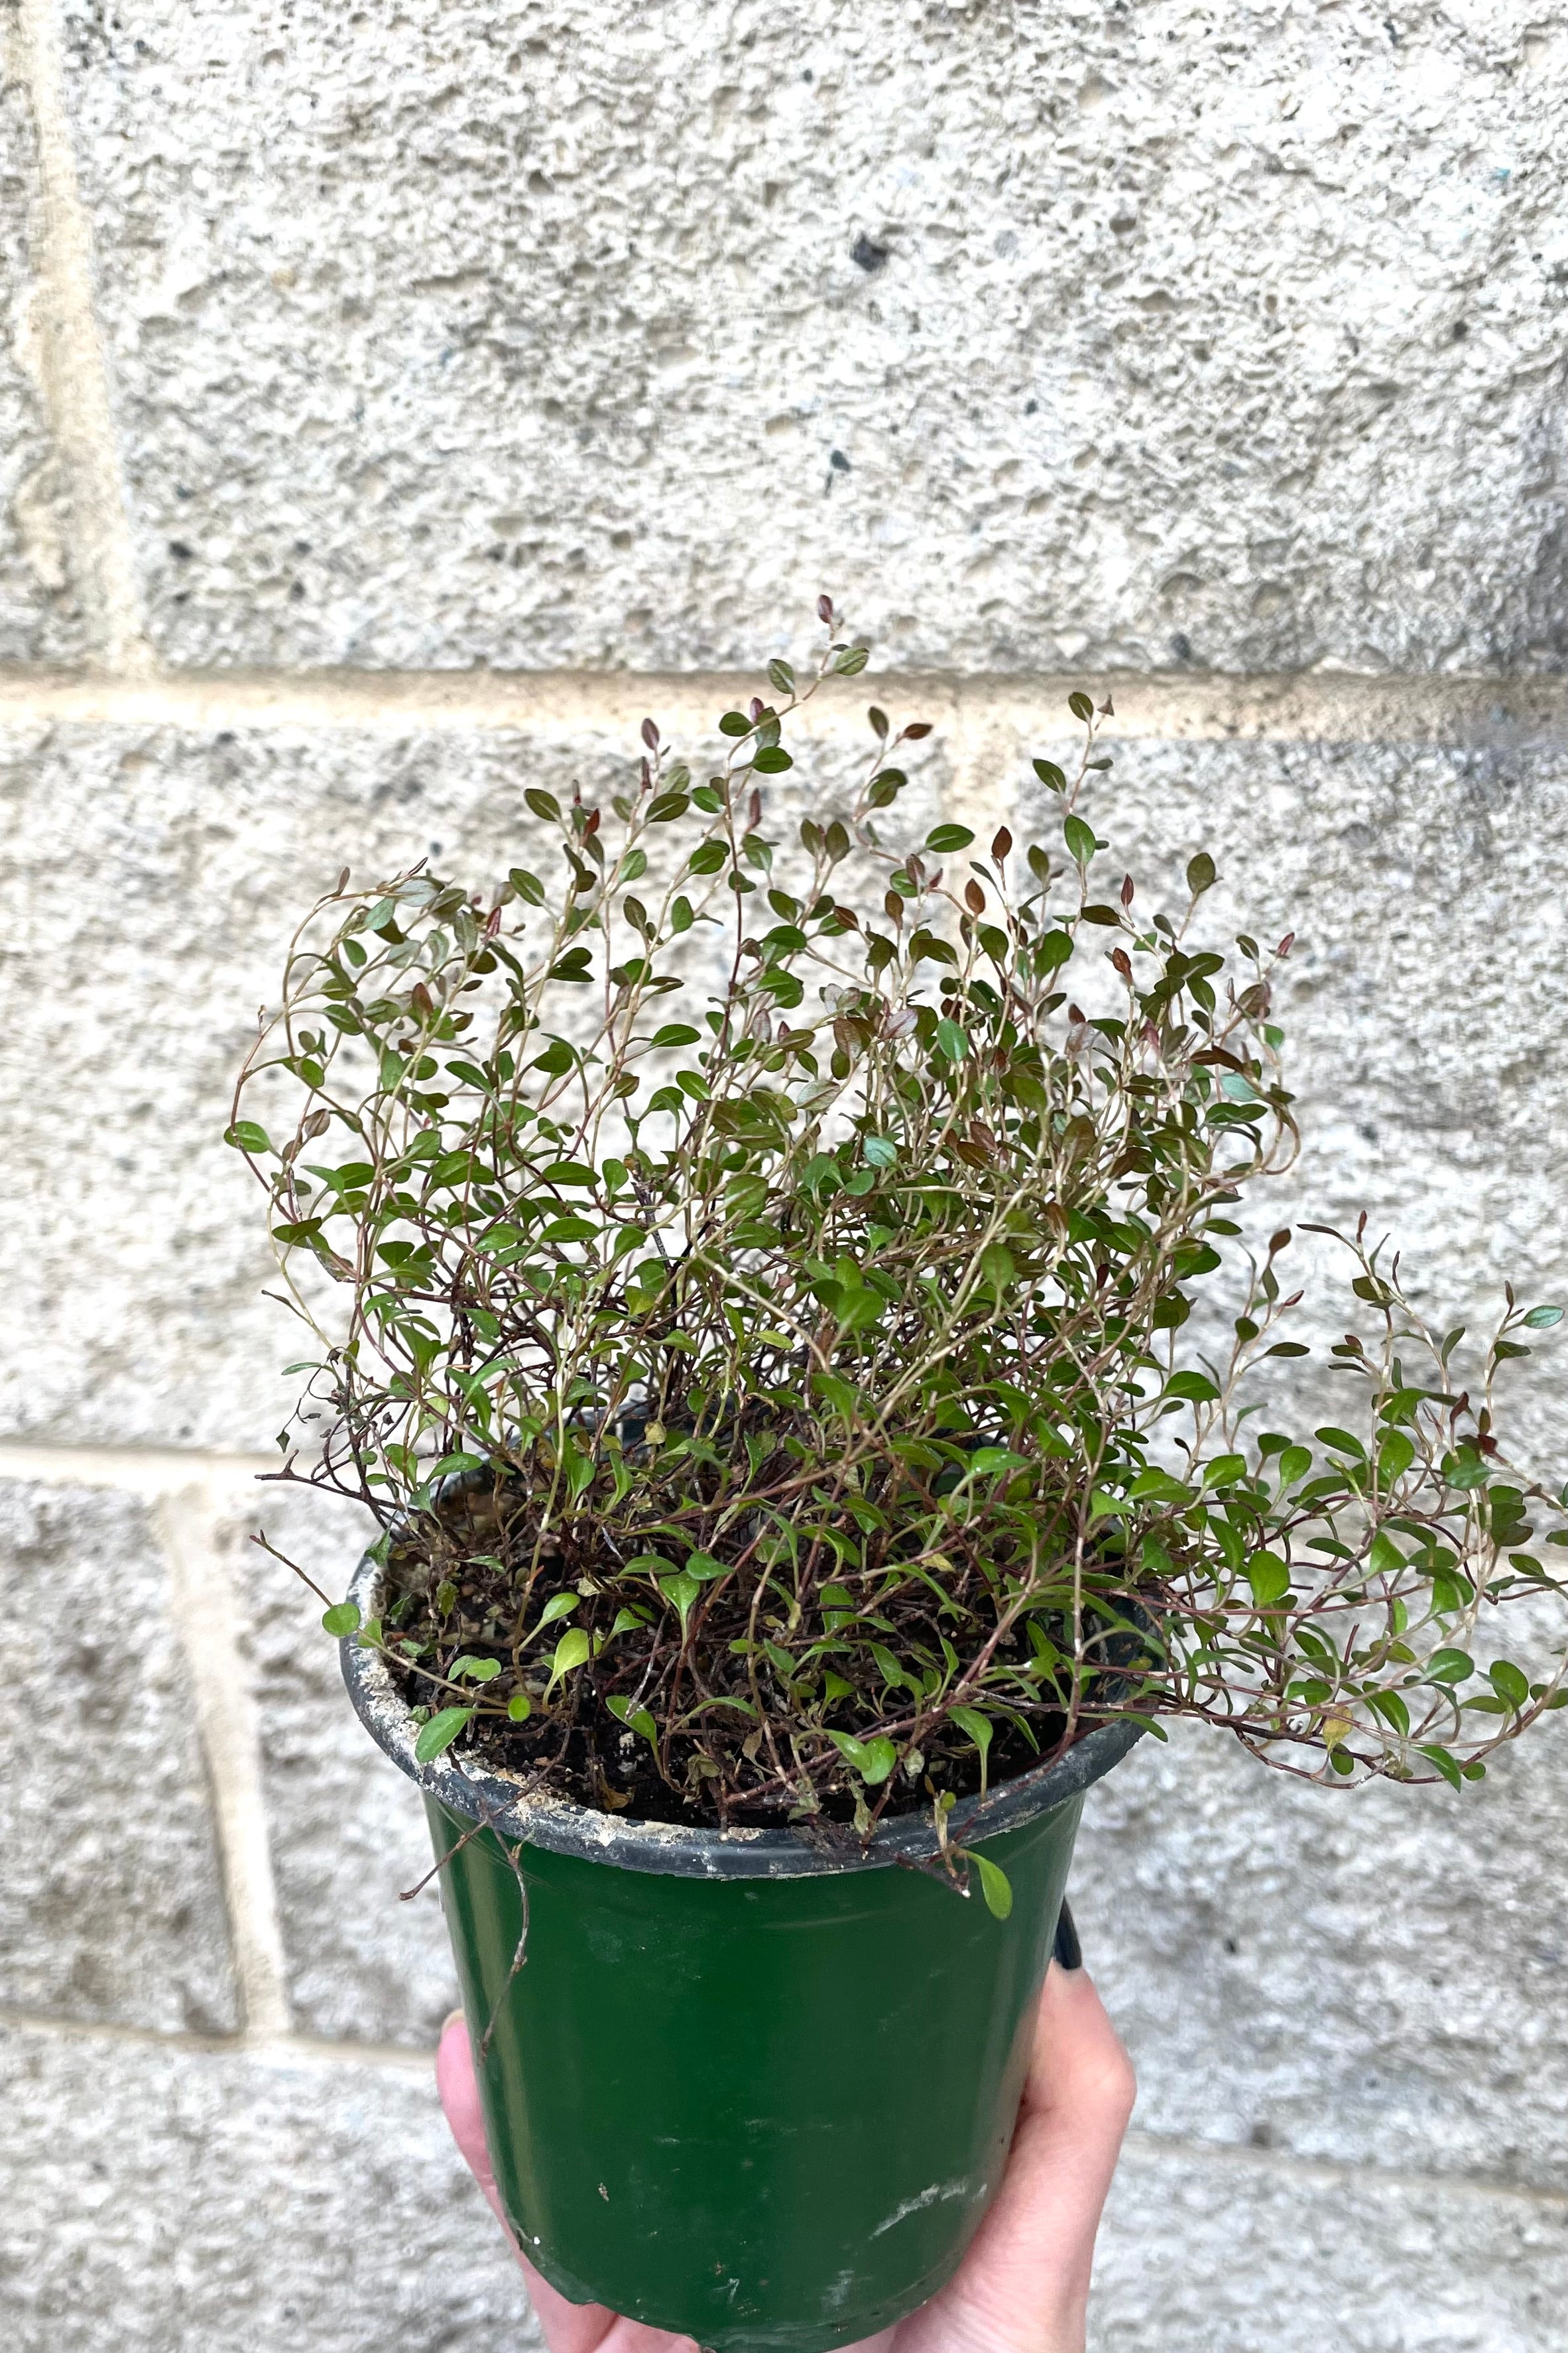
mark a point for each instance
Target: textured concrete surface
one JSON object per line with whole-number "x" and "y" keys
{"x": 151, "y": 883}
{"x": 111, "y": 1906}
{"x": 464, "y": 333}
{"x": 1207, "y": 2255}
{"x": 1375, "y": 1977}
{"x": 39, "y": 611}
{"x": 165, "y": 2199}
{"x": 542, "y": 333}
{"x": 348, "y": 1830}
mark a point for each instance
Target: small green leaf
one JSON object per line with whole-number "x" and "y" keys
{"x": 987, "y": 1460}
{"x": 341, "y": 1619}
{"x": 1541, "y": 1319}
{"x": 1450, "y": 1667}
{"x": 1192, "y": 1386}
{"x": 839, "y": 1395}
{"x": 1444, "y": 1762}
{"x": 635, "y": 1719}
{"x": 1385, "y": 1558}
{"x": 998, "y": 1265}
{"x": 880, "y": 1151}
{"x": 945, "y": 839}
{"x": 440, "y": 1731}
{"x": 520, "y": 1707}
{"x": 951, "y": 1039}
{"x": 1465, "y": 1470}
{"x": 681, "y": 1591}
{"x": 1268, "y": 1577}
{"x": 542, "y": 804}
{"x": 299, "y": 1230}
{"x": 1394, "y": 1456}
{"x": 994, "y": 1885}
{"x": 1200, "y": 874}
{"x": 1158, "y": 1486}
{"x": 1392, "y": 1708}
{"x": 1079, "y": 838}
{"x": 571, "y": 1653}
{"x": 245, "y": 1137}
{"x": 853, "y": 1751}
{"x": 872, "y": 1759}
{"x": 1508, "y": 1683}
{"x": 560, "y": 1605}
{"x": 978, "y": 1727}
{"x": 477, "y": 1671}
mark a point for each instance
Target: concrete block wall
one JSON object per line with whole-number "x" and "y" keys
{"x": 395, "y": 407}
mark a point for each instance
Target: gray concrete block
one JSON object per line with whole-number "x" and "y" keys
{"x": 1376, "y": 1976}
{"x": 522, "y": 334}
{"x": 111, "y": 1905}
{"x": 347, "y": 1830}
{"x": 40, "y": 616}
{"x": 156, "y": 879}
{"x": 1206, "y": 2253}
{"x": 165, "y": 2199}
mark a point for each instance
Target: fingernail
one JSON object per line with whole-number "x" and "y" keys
{"x": 1066, "y": 1952}
{"x": 453, "y": 2017}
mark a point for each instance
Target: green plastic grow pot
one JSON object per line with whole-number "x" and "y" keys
{"x": 739, "y": 2088}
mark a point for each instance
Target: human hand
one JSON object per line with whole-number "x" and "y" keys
{"x": 1023, "y": 2287}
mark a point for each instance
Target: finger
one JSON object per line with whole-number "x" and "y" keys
{"x": 1023, "y": 2287}
{"x": 568, "y": 2327}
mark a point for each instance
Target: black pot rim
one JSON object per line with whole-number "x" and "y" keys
{"x": 688, "y": 1850}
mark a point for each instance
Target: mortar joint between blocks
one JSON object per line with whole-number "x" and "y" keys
{"x": 206, "y": 1612}
{"x": 986, "y": 716}
{"x": 73, "y": 366}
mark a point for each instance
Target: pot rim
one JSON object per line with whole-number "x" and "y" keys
{"x": 690, "y": 1850}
